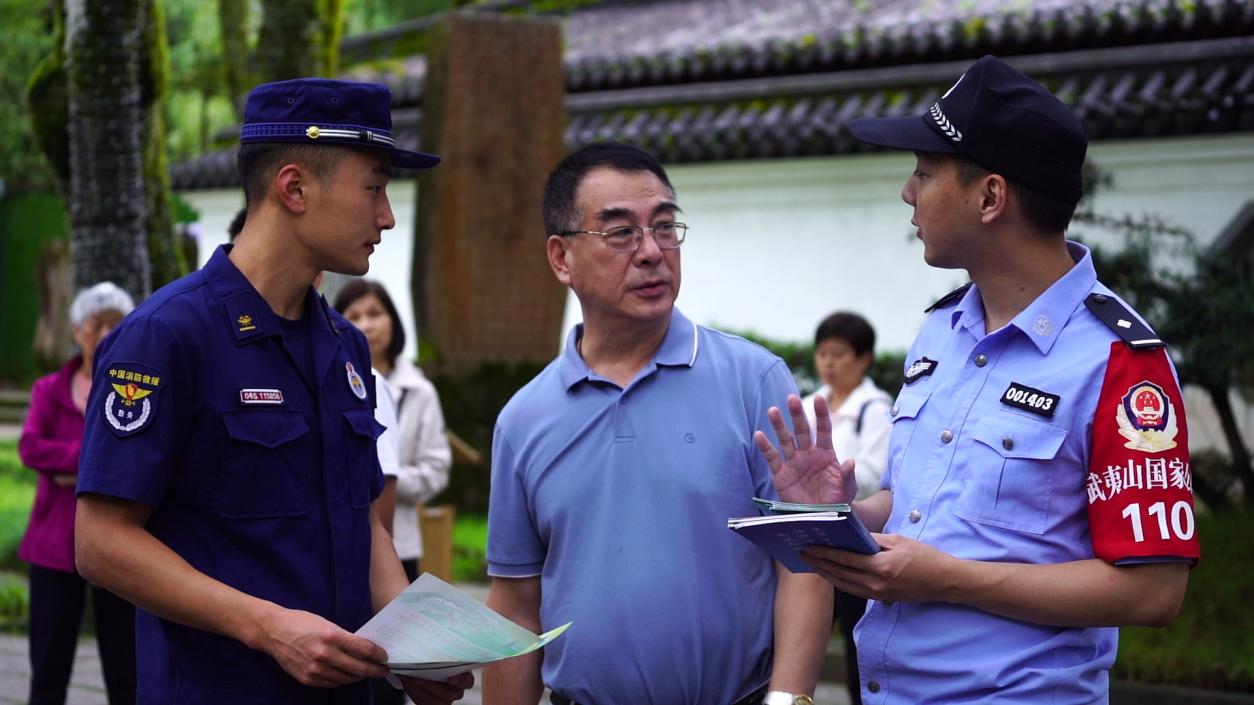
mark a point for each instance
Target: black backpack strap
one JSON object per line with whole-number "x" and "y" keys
{"x": 861, "y": 415}
{"x": 949, "y": 299}
{"x": 1120, "y": 319}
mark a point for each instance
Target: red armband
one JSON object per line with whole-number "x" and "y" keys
{"x": 1140, "y": 486}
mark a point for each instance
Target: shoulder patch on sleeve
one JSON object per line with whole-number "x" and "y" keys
{"x": 131, "y": 402}
{"x": 1120, "y": 319}
{"x": 1139, "y": 484}
{"x": 948, "y": 299}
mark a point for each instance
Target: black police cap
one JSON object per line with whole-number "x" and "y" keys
{"x": 1000, "y": 119}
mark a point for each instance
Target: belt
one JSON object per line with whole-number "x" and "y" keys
{"x": 754, "y": 698}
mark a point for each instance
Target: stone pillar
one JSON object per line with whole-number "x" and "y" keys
{"x": 493, "y": 107}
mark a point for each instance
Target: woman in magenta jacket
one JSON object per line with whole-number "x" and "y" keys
{"x": 49, "y": 445}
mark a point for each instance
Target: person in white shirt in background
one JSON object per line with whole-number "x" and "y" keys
{"x": 844, "y": 348}
{"x": 424, "y": 454}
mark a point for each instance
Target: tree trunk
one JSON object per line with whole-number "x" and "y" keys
{"x": 165, "y": 256}
{"x": 108, "y": 204}
{"x": 290, "y": 44}
{"x": 232, "y": 20}
{"x": 1236, "y": 445}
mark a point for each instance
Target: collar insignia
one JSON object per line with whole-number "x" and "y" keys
{"x": 245, "y": 323}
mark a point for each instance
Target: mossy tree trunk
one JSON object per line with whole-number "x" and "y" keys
{"x": 108, "y": 202}
{"x": 233, "y": 23}
{"x": 165, "y": 256}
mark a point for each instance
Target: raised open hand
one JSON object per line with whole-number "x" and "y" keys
{"x": 803, "y": 470}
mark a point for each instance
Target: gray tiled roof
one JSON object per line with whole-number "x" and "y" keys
{"x": 706, "y": 80}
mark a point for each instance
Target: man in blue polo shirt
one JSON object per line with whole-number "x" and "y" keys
{"x": 229, "y": 464}
{"x": 1038, "y": 492}
{"x": 615, "y": 470}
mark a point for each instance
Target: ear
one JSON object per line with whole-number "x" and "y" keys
{"x": 290, "y": 186}
{"x": 994, "y": 197}
{"x": 558, "y": 251}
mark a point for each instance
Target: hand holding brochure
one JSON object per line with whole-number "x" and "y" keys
{"x": 786, "y": 533}
{"x": 434, "y": 631}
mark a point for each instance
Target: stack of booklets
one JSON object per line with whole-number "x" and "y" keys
{"x": 785, "y": 529}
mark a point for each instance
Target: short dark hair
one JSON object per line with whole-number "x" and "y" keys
{"x": 358, "y": 288}
{"x": 1043, "y": 213}
{"x": 849, "y": 327}
{"x": 259, "y": 161}
{"x": 559, "y": 208}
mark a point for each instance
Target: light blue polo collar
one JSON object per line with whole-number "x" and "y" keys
{"x": 1043, "y": 320}
{"x": 679, "y": 348}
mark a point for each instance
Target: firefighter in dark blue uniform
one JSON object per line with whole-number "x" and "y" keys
{"x": 229, "y": 466}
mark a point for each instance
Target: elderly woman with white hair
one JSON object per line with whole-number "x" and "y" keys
{"x": 49, "y": 445}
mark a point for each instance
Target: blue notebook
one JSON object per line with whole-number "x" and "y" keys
{"x": 785, "y": 536}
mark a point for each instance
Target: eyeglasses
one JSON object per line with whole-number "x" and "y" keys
{"x": 627, "y": 238}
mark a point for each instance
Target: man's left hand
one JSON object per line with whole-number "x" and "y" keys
{"x": 904, "y": 571}
{"x": 424, "y": 692}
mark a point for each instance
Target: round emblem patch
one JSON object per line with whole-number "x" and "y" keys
{"x": 354, "y": 381}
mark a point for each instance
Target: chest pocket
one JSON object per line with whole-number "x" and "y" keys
{"x": 1011, "y": 477}
{"x": 265, "y": 472}
{"x": 903, "y": 413}
{"x": 361, "y": 453}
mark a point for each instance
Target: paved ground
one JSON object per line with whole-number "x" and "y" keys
{"x": 87, "y": 683}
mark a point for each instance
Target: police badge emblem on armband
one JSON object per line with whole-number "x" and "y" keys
{"x": 354, "y": 381}
{"x": 129, "y": 406}
{"x": 1147, "y": 418}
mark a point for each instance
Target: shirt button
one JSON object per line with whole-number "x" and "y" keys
{"x": 1008, "y": 443}
{"x": 914, "y": 516}
{"x": 981, "y": 360}
{"x": 893, "y": 411}
{"x": 946, "y": 436}
{"x": 1099, "y": 298}
{"x": 873, "y": 686}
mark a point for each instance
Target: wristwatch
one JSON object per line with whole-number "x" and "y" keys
{"x": 779, "y": 697}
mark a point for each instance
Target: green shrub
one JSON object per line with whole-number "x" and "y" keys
{"x": 17, "y": 493}
{"x": 14, "y": 603}
{"x": 470, "y": 549}
{"x": 1209, "y": 644}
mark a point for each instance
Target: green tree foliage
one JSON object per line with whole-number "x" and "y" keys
{"x": 27, "y": 35}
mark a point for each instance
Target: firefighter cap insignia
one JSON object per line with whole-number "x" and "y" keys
{"x": 132, "y": 399}
{"x": 1147, "y": 418}
{"x": 354, "y": 381}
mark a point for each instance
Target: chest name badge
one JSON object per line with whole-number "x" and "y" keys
{"x": 1147, "y": 418}
{"x": 1031, "y": 400}
{"x": 919, "y": 369}
{"x": 354, "y": 381}
{"x": 273, "y": 397}
{"x": 132, "y": 399}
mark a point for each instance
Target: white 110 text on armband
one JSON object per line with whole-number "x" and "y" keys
{"x": 1181, "y": 520}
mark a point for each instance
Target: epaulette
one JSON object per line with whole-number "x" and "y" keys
{"x": 949, "y": 298}
{"x": 1121, "y": 320}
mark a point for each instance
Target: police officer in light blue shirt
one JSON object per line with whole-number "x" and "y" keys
{"x": 615, "y": 470}
{"x": 229, "y": 466}
{"x": 1038, "y": 492}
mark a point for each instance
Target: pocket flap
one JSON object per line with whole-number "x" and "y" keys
{"x": 363, "y": 422}
{"x": 908, "y": 405}
{"x": 1015, "y": 437}
{"x": 270, "y": 429}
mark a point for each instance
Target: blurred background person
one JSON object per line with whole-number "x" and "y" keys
{"x": 425, "y": 456}
{"x": 49, "y": 445}
{"x": 844, "y": 348}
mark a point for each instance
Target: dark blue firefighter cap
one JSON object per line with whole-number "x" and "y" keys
{"x": 326, "y": 111}
{"x": 1000, "y": 119}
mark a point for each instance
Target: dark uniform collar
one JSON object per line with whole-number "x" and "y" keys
{"x": 245, "y": 312}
